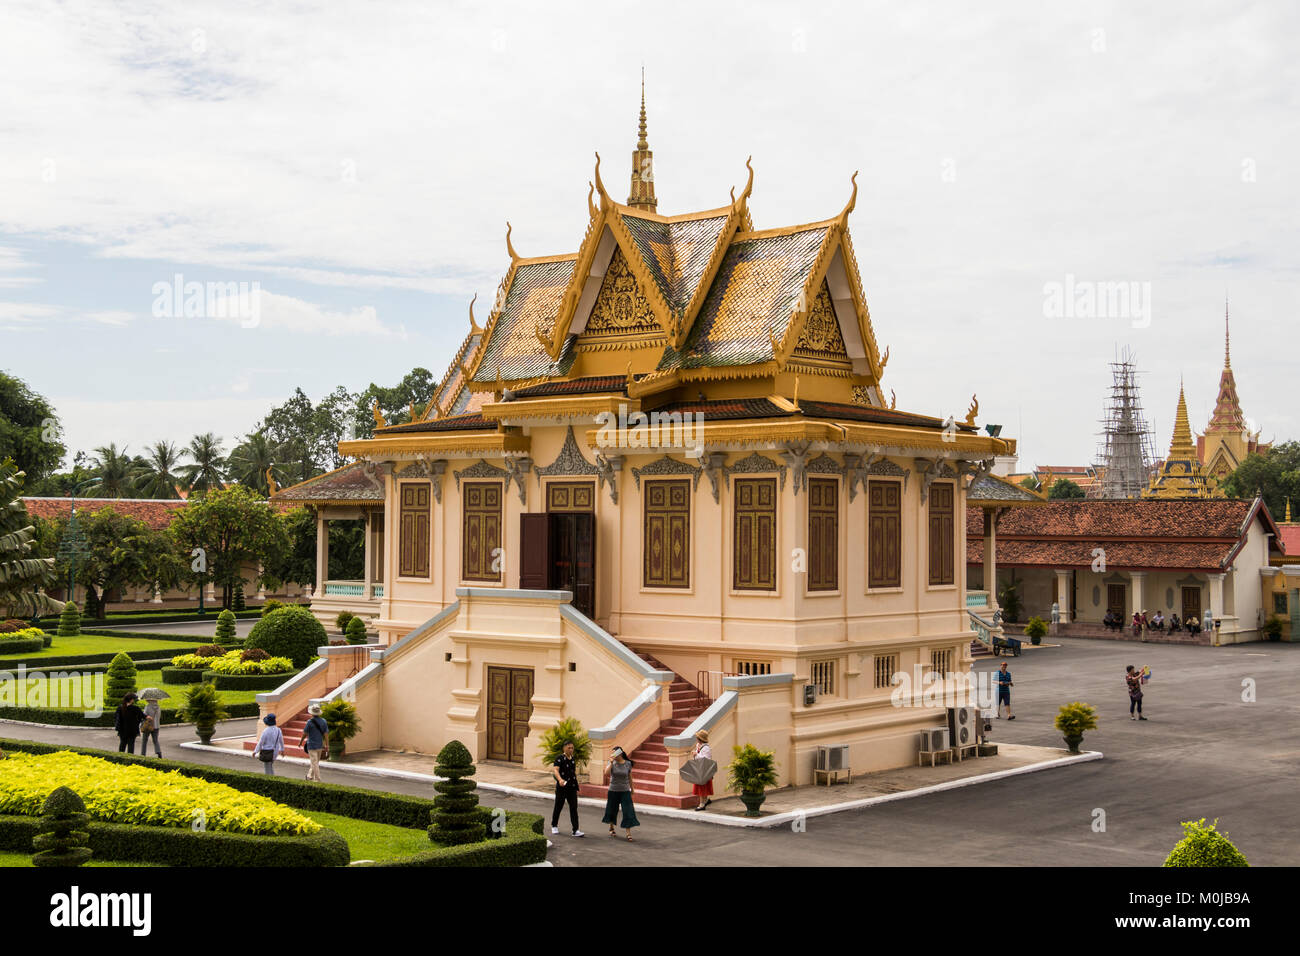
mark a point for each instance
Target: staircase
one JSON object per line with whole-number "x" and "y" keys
{"x": 978, "y": 650}
{"x": 292, "y": 729}
{"x": 1098, "y": 631}
{"x": 650, "y": 760}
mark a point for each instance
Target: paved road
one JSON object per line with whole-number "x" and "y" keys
{"x": 1203, "y": 752}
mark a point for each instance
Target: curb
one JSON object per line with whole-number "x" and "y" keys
{"x": 717, "y": 819}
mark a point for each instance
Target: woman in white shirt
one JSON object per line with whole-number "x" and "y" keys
{"x": 703, "y": 790}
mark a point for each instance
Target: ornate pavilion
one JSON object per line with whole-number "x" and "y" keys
{"x": 662, "y": 489}
{"x": 1227, "y": 439}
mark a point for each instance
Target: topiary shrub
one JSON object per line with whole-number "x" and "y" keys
{"x": 203, "y": 706}
{"x": 1203, "y": 845}
{"x": 210, "y": 650}
{"x": 271, "y": 605}
{"x": 1035, "y": 630}
{"x": 238, "y": 601}
{"x": 343, "y": 620}
{"x": 356, "y": 631}
{"x": 12, "y": 624}
{"x": 254, "y": 654}
{"x": 226, "y": 628}
{"x": 70, "y": 620}
{"x": 120, "y": 678}
{"x": 456, "y": 817}
{"x": 64, "y": 831}
{"x": 291, "y": 632}
{"x": 551, "y": 744}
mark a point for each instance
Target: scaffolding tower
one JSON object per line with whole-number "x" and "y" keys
{"x": 1127, "y": 450}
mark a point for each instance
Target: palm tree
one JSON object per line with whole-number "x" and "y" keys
{"x": 250, "y": 462}
{"x": 116, "y": 470}
{"x": 208, "y": 470}
{"x": 20, "y": 574}
{"x": 157, "y": 477}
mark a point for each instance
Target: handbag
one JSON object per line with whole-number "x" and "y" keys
{"x": 266, "y": 756}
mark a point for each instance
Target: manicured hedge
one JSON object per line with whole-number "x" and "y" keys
{"x": 167, "y": 616}
{"x": 176, "y": 846}
{"x": 522, "y": 843}
{"x": 152, "y": 655}
{"x": 246, "y": 681}
{"x": 75, "y": 718}
{"x": 22, "y": 645}
{"x": 183, "y": 675}
{"x": 192, "y": 639}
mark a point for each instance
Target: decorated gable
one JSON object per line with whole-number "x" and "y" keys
{"x": 820, "y": 341}
{"x": 621, "y": 310}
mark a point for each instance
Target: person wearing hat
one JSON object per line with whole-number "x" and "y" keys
{"x": 703, "y": 790}
{"x": 315, "y": 739}
{"x": 270, "y": 745}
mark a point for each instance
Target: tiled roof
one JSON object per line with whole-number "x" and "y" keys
{"x": 1290, "y": 538}
{"x": 1140, "y": 533}
{"x": 451, "y": 424}
{"x": 751, "y": 300}
{"x": 878, "y": 416}
{"x": 452, "y": 385}
{"x": 727, "y": 409}
{"x": 577, "y": 386}
{"x": 156, "y": 513}
{"x": 992, "y": 489}
{"x": 676, "y": 253}
{"x": 349, "y": 483}
{"x": 513, "y": 350}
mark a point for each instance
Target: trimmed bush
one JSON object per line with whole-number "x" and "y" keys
{"x": 211, "y": 650}
{"x": 1203, "y": 845}
{"x": 247, "y": 681}
{"x": 344, "y": 724}
{"x": 21, "y": 645}
{"x": 521, "y": 842}
{"x": 254, "y": 654}
{"x": 226, "y": 628}
{"x": 183, "y": 675}
{"x": 1036, "y": 630}
{"x": 456, "y": 817}
{"x": 70, "y": 620}
{"x": 270, "y": 606}
{"x": 203, "y": 706}
{"x": 342, "y": 621}
{"x": 238, "y": 602}
{"x": 120, "y": 679}
{"x": 233, "y": 662}
{"x": 77, "y": 718}
{"x": 11, "y": 624}
{"x": 62, "y": 833}
{"x": 291, "y": 632}
{"x": 356, "y": 631}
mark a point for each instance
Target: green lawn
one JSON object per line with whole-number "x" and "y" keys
{"x": 89, "y": 644}
{"x": 373, "y": 841}
{"x": 144, "y": 678}
{"x": 25, "y": 859}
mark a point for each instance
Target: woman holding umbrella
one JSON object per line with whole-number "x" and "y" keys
{"x": 702, "y": 752}
{"x": 152, "y": 719}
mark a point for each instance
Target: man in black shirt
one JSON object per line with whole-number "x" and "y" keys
{"x": 566, "y": 788}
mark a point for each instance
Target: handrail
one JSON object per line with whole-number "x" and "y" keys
{"x": 611, "y": 730}
{"x": 707, "y": 689}
{"x": 717, "y": 710}
{"x": 983, "y": 629}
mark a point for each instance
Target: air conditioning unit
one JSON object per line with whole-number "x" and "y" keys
{"x": 833, "y": 758}
{"x": 962, "y": 725}
{"x": 809, "y": 694}
{"x": 934, "y": 740}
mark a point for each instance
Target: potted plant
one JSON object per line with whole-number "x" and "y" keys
{"x": 1072, "y": 720}
{"x": 1035, "y": 630}
{"x": 751, "y": 772}
{"x": 1273, "y": 628}
{"x": 551, "y": 744}
{"x": 203, "y": 706}
{"x": 1009, "y": 602}
{"x": 343, "y": 722}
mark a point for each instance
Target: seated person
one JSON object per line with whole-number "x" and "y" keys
{"x": 1158, "y": 621}
{"x": 1192, "y": 624}
{"x": 1111, "y": 620}
{"x": 1174, "y": 623}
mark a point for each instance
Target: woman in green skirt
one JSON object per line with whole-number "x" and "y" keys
{"x": 620, "y": 794}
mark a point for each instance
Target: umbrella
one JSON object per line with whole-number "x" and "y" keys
{"x": 698, "y": 770}
{"x": 153, "y": 693}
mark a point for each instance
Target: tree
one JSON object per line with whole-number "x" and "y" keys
{"x": 120, "y": 679}
{"x": 225, "y": 633}
{"x": 117, "y": 473}
{"x": 1275, "y": 474}
{"x": 298, "y": 561}
{"x": 1030, "y": 482}
{"x": 22, "y": 570}
{"x": 209, "y": 467}
{"x": 291, "y": 632}
{"x": 250, "y": 462}
{"x": 158, "y": 478}
{"x": 355, "y": 632}
{"x": 121, "y": 552}
{"x": 1065, "y": 489}
{"x": 234, "y": 528}
{"x": 417, "y": 387}
{"x": 70, "y": 620}
{"x": 1203, "y": 845}
{"x": 30, "y": 433}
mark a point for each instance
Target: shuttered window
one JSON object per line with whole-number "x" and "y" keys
{"x": 481, "y": 531}
{"x": 754, "y": 544}
{"x": 823, "y": 534}
{"x": 667, "y": 534}
{"x": 941, "y": 533}
{"x": 884, "y": 534}
{"x": 413, "y": 557}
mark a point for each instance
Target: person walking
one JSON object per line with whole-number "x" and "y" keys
{"x": 126, "y": 721}
{"x": 1002, "y": 677}
{"x": 149, "y": 727}
{"x": 1133, "y": 677}
{"x": 620, "y": 794}
{"x": 703, "y": 790}
{"x": 565, "y": 772}
{"x": 270, "y": 745}
{"x": 315, "y": 741}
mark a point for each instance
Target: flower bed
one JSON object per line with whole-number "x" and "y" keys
{"x": 142, "y": 796}
{"x": 234, "y": 664}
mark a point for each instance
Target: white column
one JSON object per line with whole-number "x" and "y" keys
{"x": 322, "y": 553}
{"x": 991, "y": 557}
{"x": 1216, "y": 603}
{"x": 1139, "y": 594}
{"x": 368, "y": 573}
{"x": 212, "y": 591}
{"x": 1063, "y": 594}
{"x": 157, "y": 596}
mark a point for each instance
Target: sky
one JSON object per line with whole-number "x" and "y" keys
{"x": 1040, "y": 187}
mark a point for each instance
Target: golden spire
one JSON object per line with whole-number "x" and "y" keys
{"x": 1288, "y": 511}
{"x": 642, "y": 195}
{"x": 1227, "y": 350}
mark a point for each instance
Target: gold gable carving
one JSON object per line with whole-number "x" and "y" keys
{"x": 621, "y": 308}
{"x": 820, "y": 339}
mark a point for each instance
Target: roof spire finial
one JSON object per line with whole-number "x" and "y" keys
{"x": 1227, "y": 351}
{"x": 642, "y": 195}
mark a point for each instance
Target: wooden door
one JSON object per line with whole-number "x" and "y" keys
{"x": 510, "y": 705}
{"x": 1191, "y": 603}
{"x": 534, "y": 552}
{"x": 1117, "y": 599}
{"x": 579, "y": 532}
